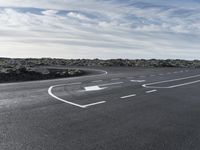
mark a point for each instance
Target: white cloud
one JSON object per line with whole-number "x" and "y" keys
{"x": 85, "y": 28}
{"x": 78, "y": 16}
{"x": 49, "y": 12}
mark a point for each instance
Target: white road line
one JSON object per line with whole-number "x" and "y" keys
{"x": 152, "y": 91}
{"x": 152, "y": 75}
{"x": 187, "y": 83}
{"x": 107, "y": 84}
{"x": 60, "y": 99}
{"x": 161, "y": 74}
{"x": 128, "y": 96}
{"x": 97, "y": 81}
{"x": 68, "y": 102}
{"x": 149, "y": 85}
{"x": 169, "y": 73}
{"x": 173, "y": 86}
{"x": 92, "y": 104}
{"x": 139, "y": 81}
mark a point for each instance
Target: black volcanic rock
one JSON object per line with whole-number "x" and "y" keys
{"x": 29, "y": 74}
{"x": 12, "y": 63}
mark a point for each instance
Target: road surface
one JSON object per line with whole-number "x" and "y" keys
{"x": 115, "y": 109}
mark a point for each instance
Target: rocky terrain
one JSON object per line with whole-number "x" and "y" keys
{"x": 8, "y": 62}
{"x": 22, "y": 73}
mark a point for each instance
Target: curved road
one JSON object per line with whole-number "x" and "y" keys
{"x": 115, "y": 109}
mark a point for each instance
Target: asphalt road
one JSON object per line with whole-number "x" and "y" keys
{"x": 121, "y": 109}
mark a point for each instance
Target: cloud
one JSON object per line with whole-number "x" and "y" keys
{"x": 78, "y": 16}
{"x": 72, "y": 28}
{"x": 49, "y": 12}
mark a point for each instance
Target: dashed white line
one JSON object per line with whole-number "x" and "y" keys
{"x": 161, "y": 74}
{"x": 140, "y": 81}
{"x": 151, "y": 91}
{"x": 152, "y": 75}
{"x": 128, "y": 96}
{"x": 97, "y": 81}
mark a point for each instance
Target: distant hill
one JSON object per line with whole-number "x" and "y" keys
{"x": 10, "y": 63}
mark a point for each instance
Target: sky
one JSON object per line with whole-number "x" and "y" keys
{"x": 104, "y": 29}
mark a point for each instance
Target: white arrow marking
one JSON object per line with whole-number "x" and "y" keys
{"x": 93, "y": 88}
